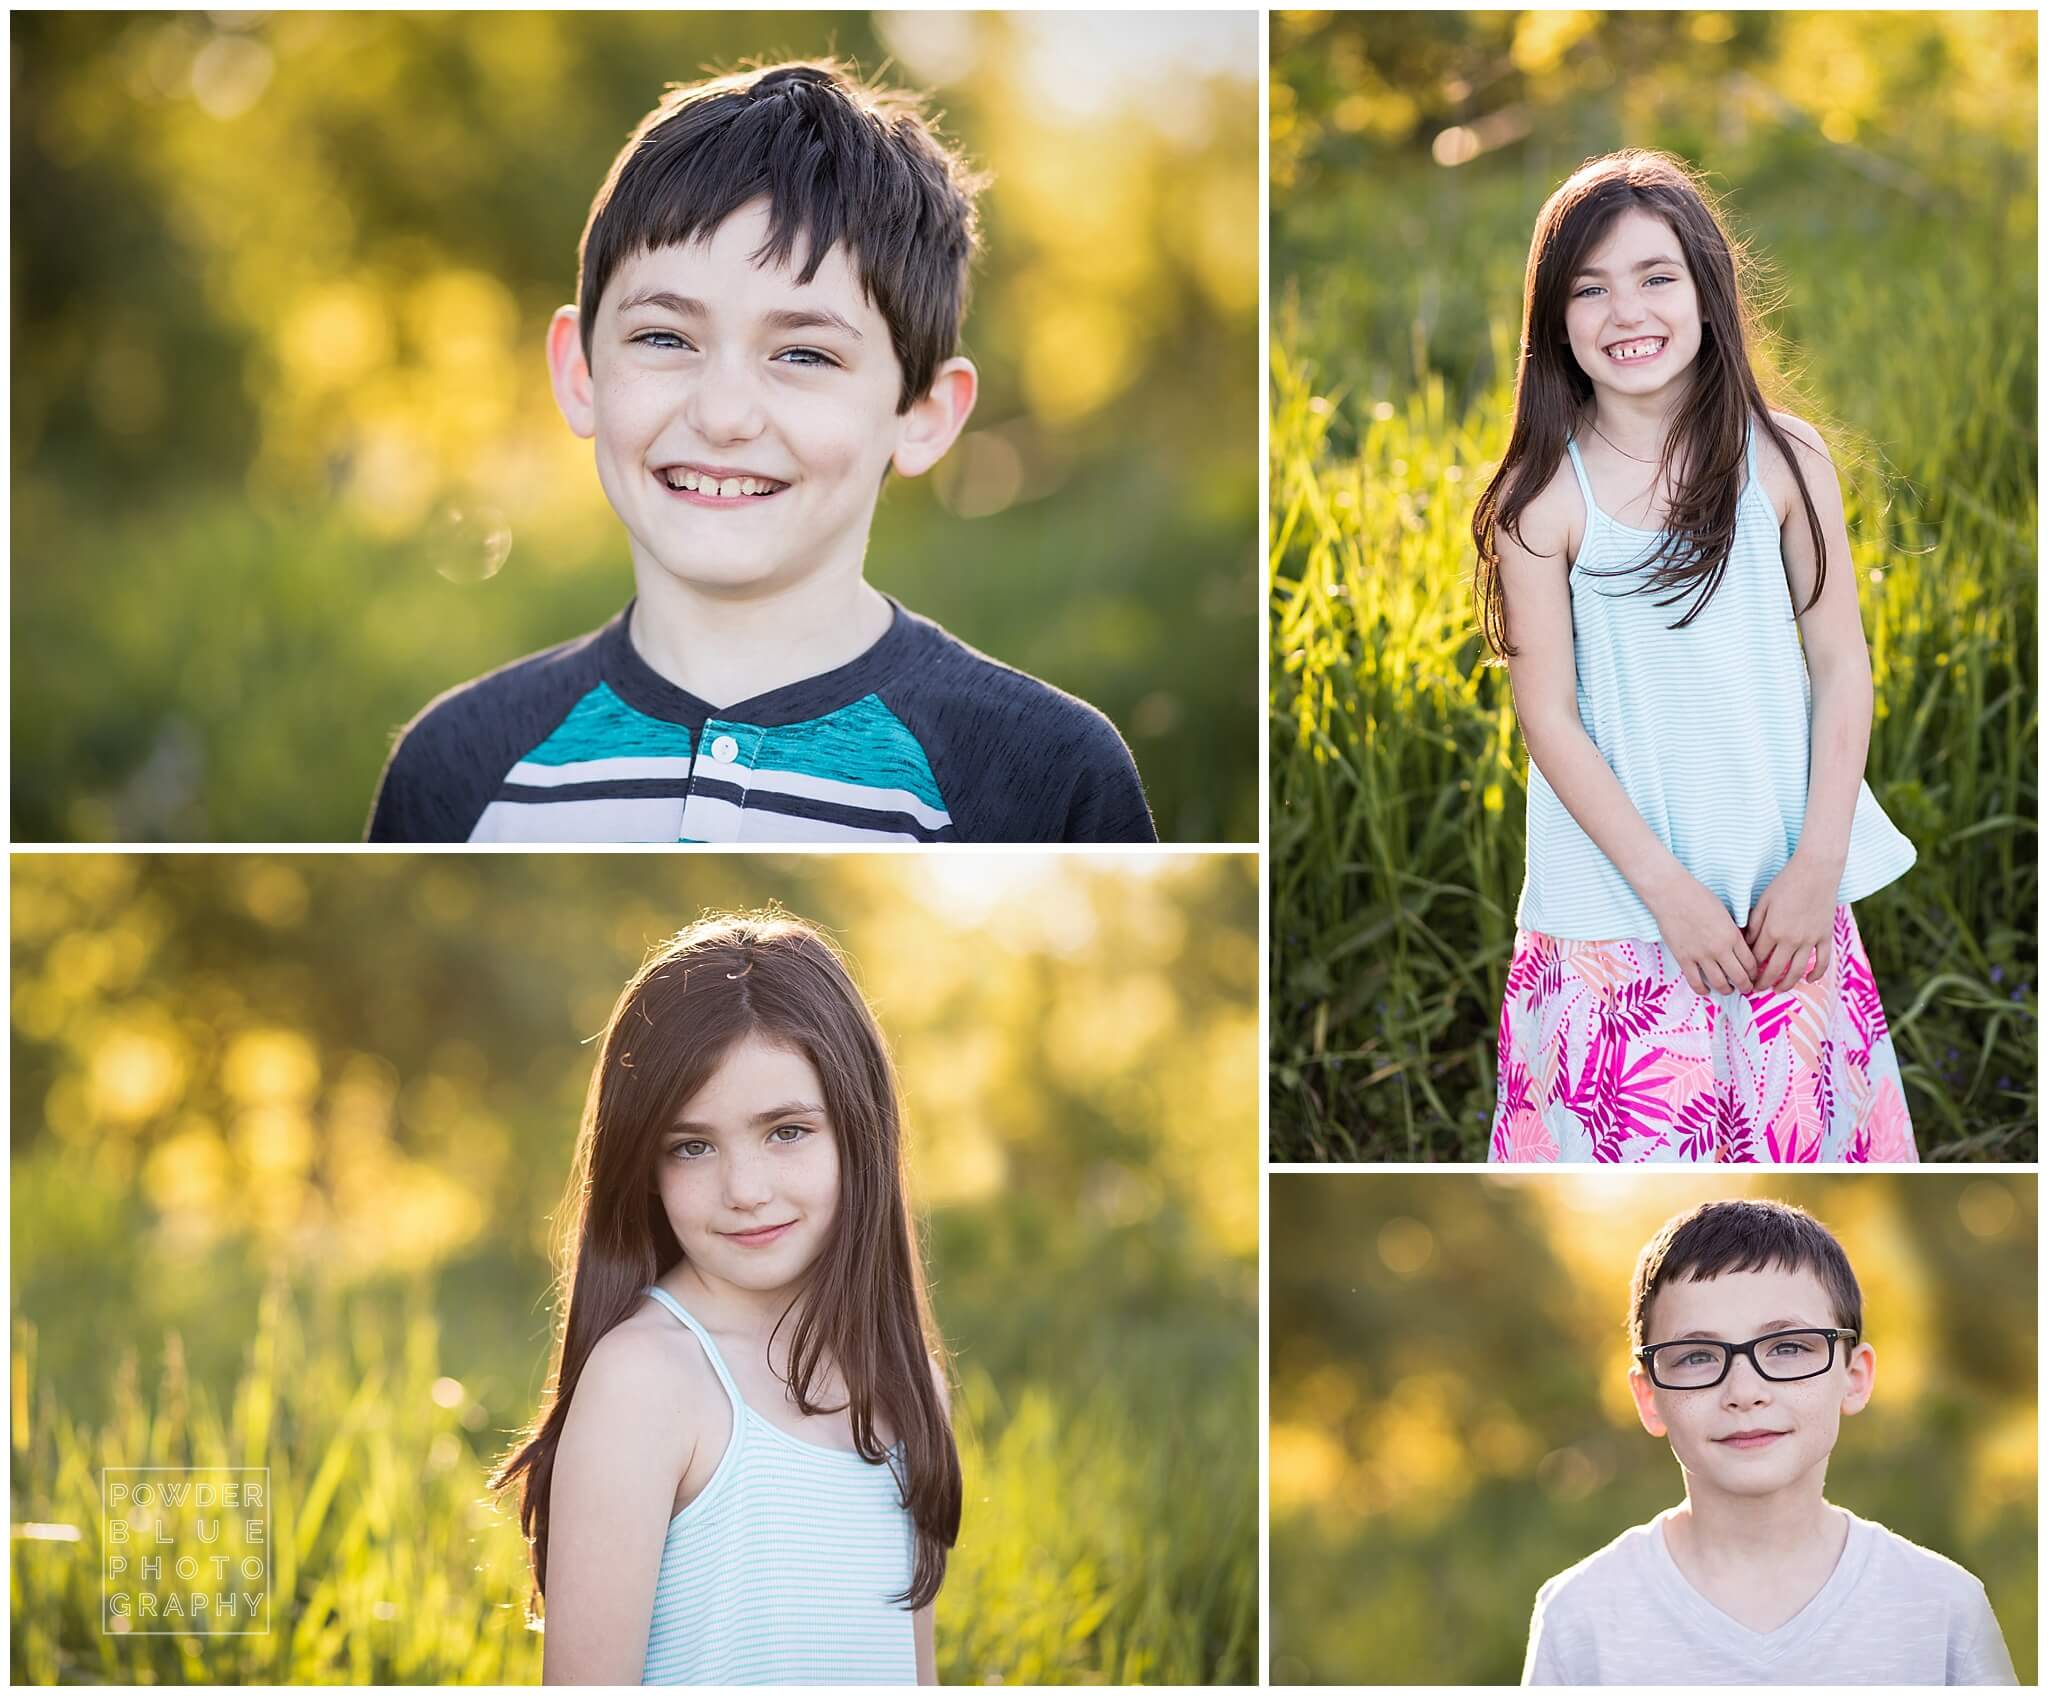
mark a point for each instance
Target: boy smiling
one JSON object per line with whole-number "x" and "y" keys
{"x": 1746, "y": 1324}
{"x": 771, "y": 288}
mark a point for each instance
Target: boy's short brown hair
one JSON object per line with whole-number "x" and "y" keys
{"x": 836, "y": 160}
{"x": 1742, "y": 1236}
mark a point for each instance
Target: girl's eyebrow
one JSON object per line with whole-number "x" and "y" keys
{"x": 1639, "y": 265}
{"x": 788, "y": 1110}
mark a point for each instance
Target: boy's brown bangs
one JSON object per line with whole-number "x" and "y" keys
{"x": 837, "y": 163}
{"x": 1743, "y": 1236}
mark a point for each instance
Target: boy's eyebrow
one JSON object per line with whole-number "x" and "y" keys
{"x": 1770, "y": 1326}
{"x": 786, "y": 318}
{"x": 819, "y": 317}
{"x": 681, "y": 305}
{"x": 771, "y": 1115}
{"x": 1639, "y": 265}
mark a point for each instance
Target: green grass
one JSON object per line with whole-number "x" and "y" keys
{"x": 1104, "y": 1540}
{"x": 1398, "y": 776}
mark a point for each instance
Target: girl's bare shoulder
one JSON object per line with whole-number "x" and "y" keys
{"x": 1816, "y": 464}
{"x": 1551, "y": 524}
{"x": 649, "y": 1364}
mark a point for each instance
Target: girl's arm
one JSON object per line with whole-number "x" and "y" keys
{"x": 1699, "y": 931}
{"x": 622, "y": 1454}
{"x": 1794, "y": 919}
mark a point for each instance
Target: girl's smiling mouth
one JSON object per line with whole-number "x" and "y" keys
{"x": 1637, "y": 352}
{"x": 716, "y": 485}
{"x": 759, "y": 1238}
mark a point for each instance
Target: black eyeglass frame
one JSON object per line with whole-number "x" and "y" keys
{"x": 1647, "y": 1355}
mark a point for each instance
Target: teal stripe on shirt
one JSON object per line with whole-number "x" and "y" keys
{"x": 863, "y": 743}
{"x": 603, "y": 727}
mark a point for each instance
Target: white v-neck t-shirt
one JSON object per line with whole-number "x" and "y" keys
{"x": 1890, "y": 1613}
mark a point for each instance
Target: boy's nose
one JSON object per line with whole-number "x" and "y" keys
{"x": 725, "y": 403}
{"x": 1744, "y": 1383}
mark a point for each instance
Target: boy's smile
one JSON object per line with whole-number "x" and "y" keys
{"x": 1749, "y": 1435}
{"x": 743, "y": 421}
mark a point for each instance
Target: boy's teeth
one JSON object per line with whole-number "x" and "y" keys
{"x": 726, "y": 488}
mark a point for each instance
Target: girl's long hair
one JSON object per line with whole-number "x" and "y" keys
{"x": 1708, "y": 436}
{"x": 864, "y": 1310}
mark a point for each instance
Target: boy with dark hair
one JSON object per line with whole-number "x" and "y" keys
{"x": 1746, "y": 1327}
{"x": 771, "y": 287}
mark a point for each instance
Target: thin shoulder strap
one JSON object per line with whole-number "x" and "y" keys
{"x": 704, "y": 1337}
{"x": 1571, "y": 446}
{"x": 1751, "y": 452}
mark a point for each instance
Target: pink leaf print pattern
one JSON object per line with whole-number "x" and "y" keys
{"x": 1735, "y": 1136}
{"x": 1523, "y": 1138}
{"x": 1891, "y": 1132}
{"x": 1636, "y": 1007}
{"x": 1824, "y": 1083}
{"x": 1514, "y": 1090}
{"x": 1525, "y": 971}
{"x": 1794, "y": 1137}
{"x": 1618, "y": 1100}
{"x": 1651, "y": 1070}
{"x": 1698, "y": 1127}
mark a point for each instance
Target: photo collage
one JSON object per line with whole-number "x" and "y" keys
{"x": 938, "y": 847}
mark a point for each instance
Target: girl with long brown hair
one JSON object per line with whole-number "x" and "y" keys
{"x": 1663, "y": 562}
{"x": 743, "y": 1471}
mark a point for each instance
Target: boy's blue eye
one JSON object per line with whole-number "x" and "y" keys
{"x": 807, "y": 356}
{"x": 647, "y": 338}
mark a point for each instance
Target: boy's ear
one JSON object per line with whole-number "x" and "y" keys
{"x": 1645, "y": 1393}
{"x": 569, "y": 371}
{"x": 1862, "y": 1365}
{"x": 934, "y": 422}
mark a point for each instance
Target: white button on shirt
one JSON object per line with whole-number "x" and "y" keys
{"x": 725, "y": 750}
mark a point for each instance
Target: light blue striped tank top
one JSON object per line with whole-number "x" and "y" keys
{"x": 781, "y": 1571}
{"x": 1708, "y": 729}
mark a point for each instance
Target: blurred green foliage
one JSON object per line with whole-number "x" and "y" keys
{"x": 1451, "y": 1421}
{"x": 280, "y": 288}
{"x": 1882, "y": 170}
{"x": 288, "y": 1132}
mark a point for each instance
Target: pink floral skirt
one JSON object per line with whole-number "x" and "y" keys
{"x": 1607, "y": 1053}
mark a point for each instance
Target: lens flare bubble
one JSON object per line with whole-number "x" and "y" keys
{"x": 467, "y": 541}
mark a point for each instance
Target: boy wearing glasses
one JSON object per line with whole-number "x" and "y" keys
{"x": 1746, "y": 1325}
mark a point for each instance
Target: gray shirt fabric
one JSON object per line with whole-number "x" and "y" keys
{"x": 1890, "y": 1613}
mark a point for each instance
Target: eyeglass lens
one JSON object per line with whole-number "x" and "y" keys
{"x": 1788, "y": 1355}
